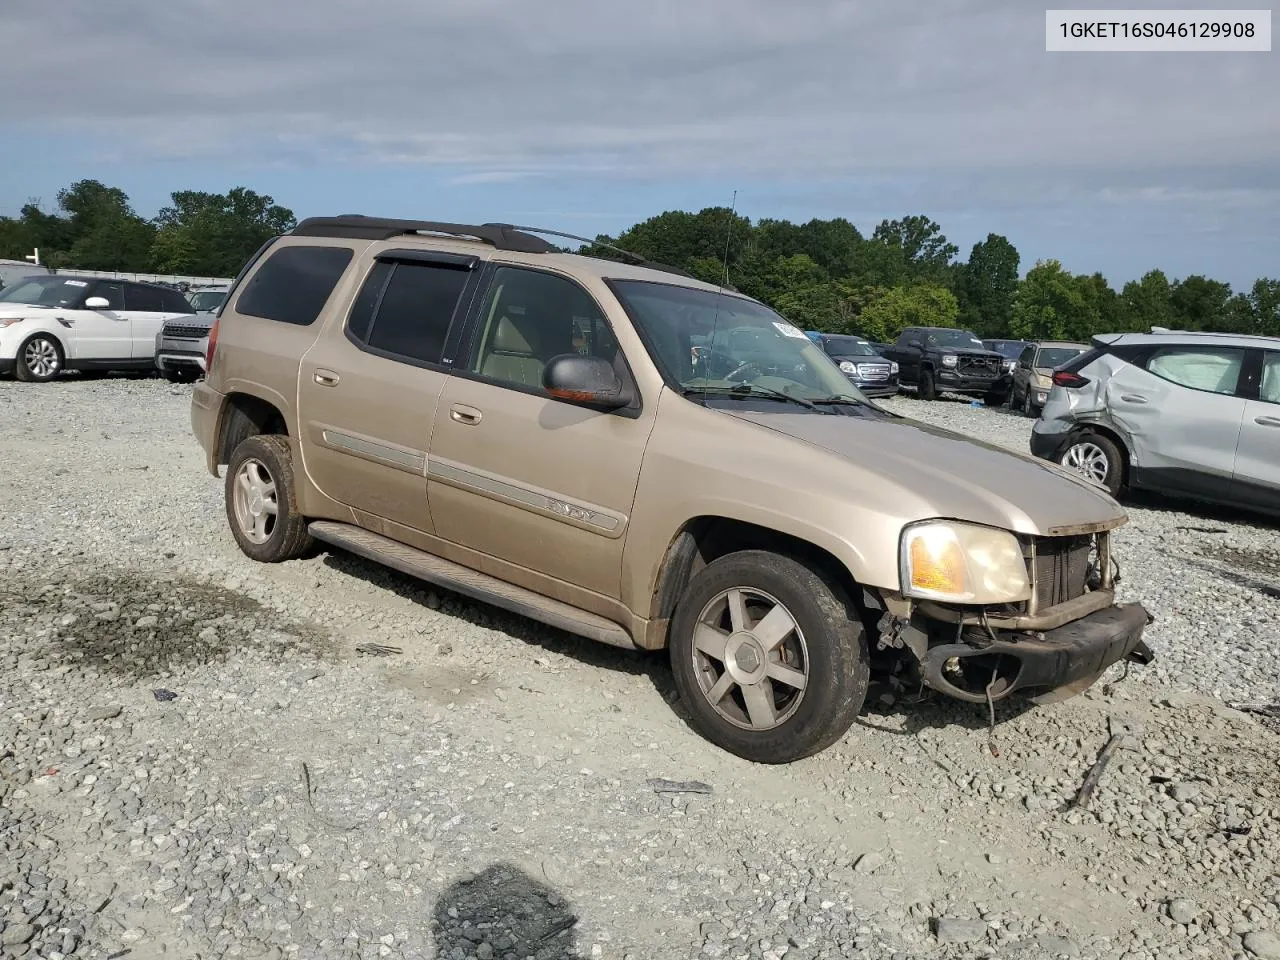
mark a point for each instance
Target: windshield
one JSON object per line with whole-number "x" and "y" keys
{"x": 45, "y": 292}
{"x": 848, "y": 347}
{"x": 706, "y": 341}
{"x": 207, "y": 299}
{"x": 952, "y": 338}
{"x": 1054, "y": 357}
{"x": 1011, "y": 349}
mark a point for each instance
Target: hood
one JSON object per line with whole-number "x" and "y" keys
{"x": 952, "y": 476}
{"x": 22, "y": 309}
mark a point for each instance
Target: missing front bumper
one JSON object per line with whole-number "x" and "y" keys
{"x": 1038, "y": 662}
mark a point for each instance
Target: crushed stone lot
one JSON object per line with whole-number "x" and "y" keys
{"x": 202, "y": 757}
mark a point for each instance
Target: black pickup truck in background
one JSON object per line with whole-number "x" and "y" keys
{"x": 938, "y": 360}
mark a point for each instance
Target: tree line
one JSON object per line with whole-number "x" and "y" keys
{"x": 95, "y": 228}
{"x": 822, "y": 275}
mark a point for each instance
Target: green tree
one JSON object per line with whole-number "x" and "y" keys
{"x": 213, "y": 234}
{"x": 1051, "y": 304}
{"x": 986, "y": 286}
{"x": 1199, "y": 303}
{"x": 831, "y": 244}
{"x": 682, "y": 239}
{"x": 1264, "y": 298}
{"x": 924, "y": 251}
{"x": 1146, "y": 303}
{"x": 104, "y": 230}
{"x": 918, "y": 305}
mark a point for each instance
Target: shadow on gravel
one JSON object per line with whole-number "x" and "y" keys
{"x": 504, "y": 912}
{"x": 141, "y": 627}
{"x": 1198, "y": 509}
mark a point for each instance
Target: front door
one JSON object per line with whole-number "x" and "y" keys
{"x": 368, "y": 388}
{"x": 105, "y": 333}
{"x": 544, "y": 484}
{"x": 1257, "y": 474}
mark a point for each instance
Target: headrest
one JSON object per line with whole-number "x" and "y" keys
{"x": 511, "y": 339}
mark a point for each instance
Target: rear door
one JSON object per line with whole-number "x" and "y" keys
{"x": 1181, "y": 408}
{"x": 369, "y": 386}
{"x": 145, "y": 306}
{"x": 1257, "y": 472}
{"x": 908, "y": 355}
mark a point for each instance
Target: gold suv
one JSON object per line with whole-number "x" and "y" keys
{"x": 629, "y": 454}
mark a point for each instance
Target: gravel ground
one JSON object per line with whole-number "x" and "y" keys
{"x": 196, "y": 761}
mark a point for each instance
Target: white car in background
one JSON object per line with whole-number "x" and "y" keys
{"x": 62, "y": 322}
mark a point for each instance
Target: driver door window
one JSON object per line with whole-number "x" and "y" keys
{"x": 530, "y": 317}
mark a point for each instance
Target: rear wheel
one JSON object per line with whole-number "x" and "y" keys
{"x": 39, "y": 360}
{"x": 1027, "y": 409}
{"x": 769, "y": 657}
{"x": 261, "y": 504}
{"x": 928, "y": 389}
{"x": 1097, "y": 459}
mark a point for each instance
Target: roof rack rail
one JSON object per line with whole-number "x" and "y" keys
{"x": 636, "y": 258}
{"x": 502, "y": 236}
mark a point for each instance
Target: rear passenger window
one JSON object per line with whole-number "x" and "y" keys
{"x": 1212, "y": 369}
{"x": 293, "y": 284}
{"x": 174, "y": 302}
{"x": 361, "y": 317}
{"x": 143, "y": 299}
{"x": 1269, "y": 389}
{"x": 415, "y": 309}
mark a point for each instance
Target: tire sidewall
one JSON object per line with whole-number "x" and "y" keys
{"x": 261, "y": 449}
{"x": 928, "y": 388}
{"x": 23, "y": 372}
{"x": 1115, "y": 465}
{"x": 836, "y": 648}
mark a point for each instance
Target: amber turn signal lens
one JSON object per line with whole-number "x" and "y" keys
{"x": 937, "y": 564}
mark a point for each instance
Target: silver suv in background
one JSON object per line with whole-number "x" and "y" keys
{"x": 1185, "y": 414}
{"x": 183, "y": 343}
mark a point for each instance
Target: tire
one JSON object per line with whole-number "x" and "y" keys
{"x": 1027, "y": 410}
{"x": 1097, "y": 459}
{"x": 769, "y": 719}
{"x": 995, "y": 399}
{"x": 179, "y": 376}
{"x": 40, "y": 359}
{"x": 928, "y": 389}
{"x": 267, "y": 467}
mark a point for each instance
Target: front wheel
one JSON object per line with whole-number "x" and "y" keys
{"x": 39, "y": 359}
{"x": 1097, "y": 459}
{"x": 928, "y": 389}
{"x": 996, "y": 398}
{"x": 261, "y": 504}
{"x": 769, "y": 657}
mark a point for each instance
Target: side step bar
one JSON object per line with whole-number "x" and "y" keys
{"x": 472, "y": 583}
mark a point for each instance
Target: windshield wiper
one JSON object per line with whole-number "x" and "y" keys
{"x": 751, "y": 390}
{"x": 844, "y": 401}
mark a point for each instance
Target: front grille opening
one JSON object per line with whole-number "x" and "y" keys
{"x": 1063, "y": 568}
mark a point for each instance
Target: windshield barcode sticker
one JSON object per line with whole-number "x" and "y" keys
{"x": 787, "y": 330}
{"x": 75, "y": 283}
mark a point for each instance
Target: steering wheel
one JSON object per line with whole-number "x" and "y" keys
{"x": 748, "y": 365}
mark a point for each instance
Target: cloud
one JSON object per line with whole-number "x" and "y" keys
{"x": 789, "y": 91}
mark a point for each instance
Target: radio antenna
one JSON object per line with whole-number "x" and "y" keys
{"x": 715, "y": 319}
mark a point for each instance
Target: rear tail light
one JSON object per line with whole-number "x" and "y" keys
{"x": 1070, "y": 380}
{"x": 213, "y": 343}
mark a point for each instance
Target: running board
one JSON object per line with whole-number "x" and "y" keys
{"x": 472, "y": 583}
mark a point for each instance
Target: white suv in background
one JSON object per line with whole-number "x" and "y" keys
{"x": 1184, "y": 414}
{"x": 61, "y": 322}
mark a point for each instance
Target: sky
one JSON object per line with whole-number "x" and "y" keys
{"x": 589, "y": 115}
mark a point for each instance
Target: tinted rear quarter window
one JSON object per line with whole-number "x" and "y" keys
{"x": 174, "y": 302}
{"x": 293, "y": 284}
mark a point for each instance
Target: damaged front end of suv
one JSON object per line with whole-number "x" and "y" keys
{"x": 985, "y": 612}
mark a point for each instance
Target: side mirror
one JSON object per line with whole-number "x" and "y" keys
{"x": 917, "y": 344}
{"x": 97, "y": 303}
{"x": 591, "y": 381}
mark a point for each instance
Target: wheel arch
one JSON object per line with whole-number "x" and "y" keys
{"x": 705, "y": 538}
{"x": 243, "y": 415}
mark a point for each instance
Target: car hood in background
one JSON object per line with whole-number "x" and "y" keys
{"x": 956, "y": 477}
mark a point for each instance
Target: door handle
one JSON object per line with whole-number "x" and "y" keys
{"x": 1133, "y": 398}
{"x": 1267, "y": 421}
{"x": 462, "y": 414}
{"x": 326, "y": 378}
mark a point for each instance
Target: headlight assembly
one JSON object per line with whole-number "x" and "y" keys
{"x": 893, "y": 367}
{"x": 848, "y": 366}
{"x": 950, "y": 360}
{"x": 962, "y": 563}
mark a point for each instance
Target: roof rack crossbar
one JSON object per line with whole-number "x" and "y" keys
{"x": 501, "y": 236}
{"x": 635, "y": 258}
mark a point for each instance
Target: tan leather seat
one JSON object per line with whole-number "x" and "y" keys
{"x": 514, "y": 355}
